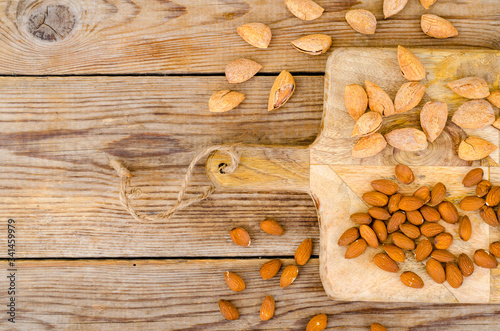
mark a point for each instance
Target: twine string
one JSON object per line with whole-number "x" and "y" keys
{"x": 127, "y": 194}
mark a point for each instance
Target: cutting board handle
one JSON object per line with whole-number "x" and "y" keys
{"x": 262, "y": 168}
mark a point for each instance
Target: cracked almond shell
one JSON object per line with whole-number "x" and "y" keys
{"x": 408, "y": 97}
{"x": 356, "y": 100}
{"x": 224, "y": 100}
{"x": 474, "y": 114}
{"x": 362, "y": 21}
{"x": 369, "y": 146}
{"x": 378, "y": 100}
{"x": 282, "y": 90}
{"x": 306, "y": 10}
{"x": 407, "y": 139}
{"x": 470, "y": 87}
{"x": 256, "y": 34}
{"x": 437, "y": 27}
{"x": 411, "y": 66}
{"x": 494, "y": 98}
{"x": 367, "y": 124}
{"x": 433, "y": 119}
{"x": 392, "y": 7}
{"x": 313, "y": 44}
{"x": 241, "y": 70}
{"x": 475, "y": 148}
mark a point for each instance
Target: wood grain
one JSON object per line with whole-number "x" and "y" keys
{"x": 58, "y": 133}
{"x": 188, "y": 36}
{"x": 183, "y": 294}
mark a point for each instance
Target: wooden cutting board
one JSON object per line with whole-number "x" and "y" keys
{"x": 336, "y": 181}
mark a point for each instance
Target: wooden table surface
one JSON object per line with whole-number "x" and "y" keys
{"x": 131, "y": 79}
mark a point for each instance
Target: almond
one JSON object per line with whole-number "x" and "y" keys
{"x": 411, "y": 279}
{"x": 272, "y": 227}
{"x": 435, "y": 270}
{"x": 474, "y": 114}
{"x": 392, "y": 7}
{"x": 234, "y": 281}
{"x": 380, "y": 230}
{"x": 430, "y": 214}
{"x": 484, "y": 259}
{"x": 496, "y": 124}
{"x": 495, "y": 248}
{"x": 288, "y": 275}
{"x": 395, "y": 253}
{"x": 411, "y": 66}
{"x": 408, "y": 97}
{"x": 379, "y": 213}
{"x": 494, "y": 98}
{"x": 437, "y": 27}
{"x": 442, "y": 255}
{"x": 375, "y": 198}
{"x": 303, "y": 252}
{"x": 241, "y": 70}
{"x": 470, "y": 87}
{"x": 427, "y": 3}
{"x": 410, "y": 203}
{"x": 395, "y": 221}
{"x": 448, "y": 212}
{"x": 378, "y": 100}
{"x": 474, "y": 148}
{"x": 423, "y": 193}
{"x": 362, "y": 21}
{"x": 317, "y": 323}
{"x": 423, "y": 250}
{"x": 267, "y": 308}
{"x": 431, "y": 229}
{"x": 488, "y": 216}
{"x": 433, "y": 119}
{"x": 402, "y": 241}
{"x": 465, "y": 264}
{"x": 386, "y": 186}
{"x": 438, "y": 193}
{"x": 282, "y": 90}
{"x": 228, "y": 310}
{"x": 368, "y": 235}
{"x": 407, "y": 139}
{"x": 384, "y": 262}
{"x": 355, "y": 249}
{"x": 306, "y": 10}
{"x": 411, "y": 231}
{"x": 415, "y": 217}
{"x": 473, "y": 177}
{"x": 270, "y": 269}
{"x": 493, "y": 196}
{"x": 225, "y": 100}
{"x": 465, "y": 228}
{"x": 256, "y": 34}
{"x": 454, "y": 276}
{"x": 443, "y": 240}
{"x": 361, "y": 218}
{"x": 369, "y": 146}
{"x": 471, "y": 203}
{"x": 377, "y": 327}
{"x": 348, "y": 236}
{"x": 404, "y": 174}
{"x": 313, "y": 44}
{"x": 393, "y": 204}
{"x": 240, "y": 237}
{"x": 482, "y": 188}
{"x": 356, "y": 100}
{"x": 367, "y": 124}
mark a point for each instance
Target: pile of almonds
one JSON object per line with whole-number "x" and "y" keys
{"x": 413, "y": 225}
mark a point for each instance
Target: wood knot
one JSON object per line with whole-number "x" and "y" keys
{"x": 51, "y": 22}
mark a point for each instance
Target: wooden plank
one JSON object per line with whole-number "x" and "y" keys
{"x": 57, "y": 134}
{"x": 180, "y": 294}
{"x": 187, "y": 36}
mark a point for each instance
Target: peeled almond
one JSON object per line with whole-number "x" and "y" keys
{"x": 474, "y": 114}
{"x": 313, "y": 44}
{"x": 369, "y": 146}
{"x": 433, "y": 119}
{"x": 470, "y": 87}
{"x": 282, "y": 90}
{"x": 392, "y": 7}
{"x": 475, "y": 148}
{"x": 356, "y": 100}
{"x": 409, "y": 96}
{"x": 256, "y": 34}
{"x": 241, "y": 70}
{"x": 378, "y": 100}
{"x": 437, "y": 27}
{"x": 362, "y": 21}
{"x": 411, "y": 66}
{"x": 367, "y": 124}
{"x": 224, "y": 100}
{"x": 306, "y": 10}
{"x": 407, "y": 139}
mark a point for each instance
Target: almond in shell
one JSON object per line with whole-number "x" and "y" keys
{"x": 386, "y": 186}
{"x": 435, "y": 270}
{"x": 475, "y": 148}
{"x": 349, "y": 236}
{"x": 224, "y": 100}
{"x": 433, "y": 119}
{"x": 241, "y": 70}
{"x": 384, "y": 262}
{"x": 427, "y": 3}
{"x": 256, "y": 34}
{"x": 288, "y": 275}
{"x": 437, "y": 27}
{"x": 304, "y": 251}
{"x": 228, "y": 310}
{"x": 470, "y": 87}
{"x": 281, "y": 91}
{"x": 306, "y": 10}
{"x": 465, "y": 228}
{"x": 367, "y": 124}
{"x": 465, "y": 264}
{"x": 474, "y": 114}
{"x": 378, "y": 100}
{"x": 362, "y": 21}
{"x": 485, "y": 259}
{"x": 407, "y": 139}
{"x": 355, "y": 249}
{"x": 494, "y": 98}
{"x": 408, "y": 97}
{"x": 313, "y": 44}
{"x": 423, "y": 250}
{"x": 234, "y": 281}
{"x": 496, "y": 124}
{"x": 473, "y": 177}
{"x": 356, "y": 100}
{"x": 394, "y": 252}
{"x": 411, "y": 66}
{"x": 454, "y": 276}
{"x": 369, "y": 146}
{"x": 411, "y": 279}
{"x": 392, "y": 7}
{"x": 267, "y": 308}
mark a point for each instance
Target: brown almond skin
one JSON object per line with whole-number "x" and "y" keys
{"x": 411, "y": 279}
{"x": 410, "y": 203}
{"x": 438, "y": 193}
{"x": 442, "y": 255}
{"x": 454, "y": 276}
{"x": 384, "y": 262}
{"x": 465, "y": 264}
{"x": 482, "y": 188}
{"x": 423, "y": 250}
{"x": 435, "y": 270}
{"x": 361, "y": 218}
{"x": 317, "y": 323}
{"x": 423, "y": 193}
{"x": 393, "y": 204}
{"x": 484, "y": 259}
{"x": 303, "y": 252}
{"x": 272, "y": 227}
{"x": 377, "y": 327}
{"x": 234, "y": 281}
{"x": 465, "y": 228}
{"x": 448, "y": 212}
{"x": 473, "y": 177}
{"x": 240, "y": 237}
{"x": 403, "y": 241}
{"x": 368, "y": 235}
{"x": 348, "y": 236}
{"x": 493, "y": 196}
{"x": 379, "y": 213}
{"x": 431, "y": 229}
{"x": 410, "y": 230}
{"x": 404, "y": 174}
{"x": 495, "y": 248}
{"x": 414, "y": 217}
{"x": 395, "y": 253}
{"x": 386, "y": 186}
{"x": 288, "y": 275}
{"x": 395, "y": 221}
{"x": 380, "y": 230}
{"x": 443, "y": 240}
{"x": 488, "y": 215}
{"x": 228, "y": 310}
{"x": 267, "y": 308}
{"x": 471, "y": 203}
{"x": 270, "y": 269}
{"x": 375, "y": 198}
{"x": 430, "y": 214}
{"x": 356, "y": 249}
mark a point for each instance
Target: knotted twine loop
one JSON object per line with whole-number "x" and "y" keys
{"x": 127, "y": 195}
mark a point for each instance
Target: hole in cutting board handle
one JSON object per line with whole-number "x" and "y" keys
{"x": 222, "y": 166}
